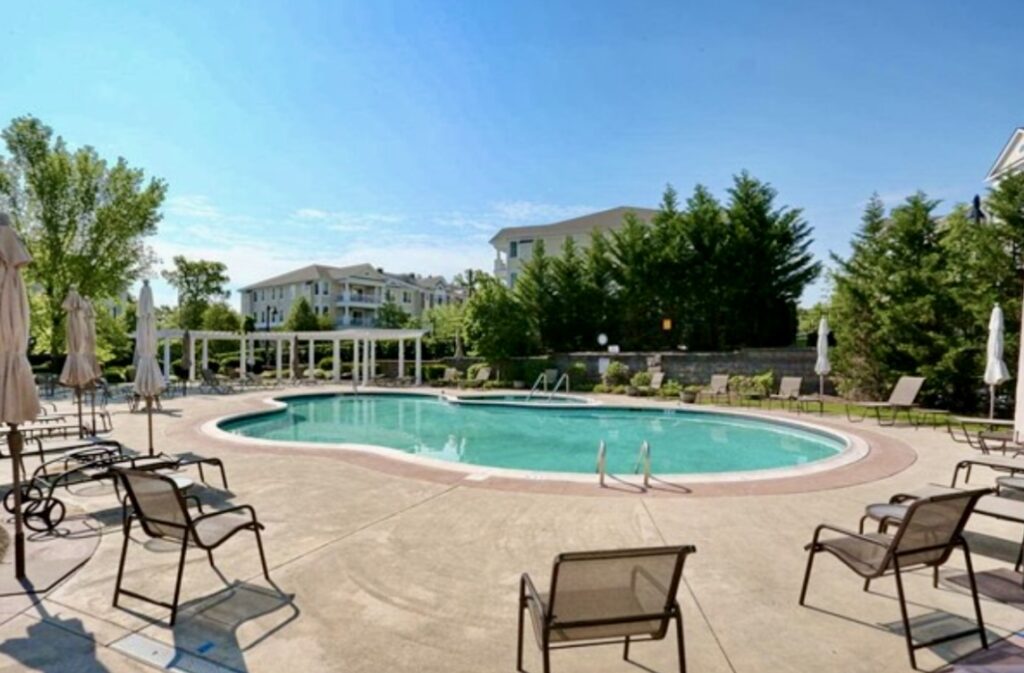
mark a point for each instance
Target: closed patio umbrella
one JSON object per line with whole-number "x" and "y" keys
{"x": 78, "y": 371}
{"x": 995, "y": 368}
{"x": 822, "y": 366}
{"x": 90, "y": 350}
{"x": 18, "y": 400}
{"x": 149, "y": 381}
{"x": 1018, "y": 411}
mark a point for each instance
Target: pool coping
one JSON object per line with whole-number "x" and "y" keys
{"x": 858, "y": 449}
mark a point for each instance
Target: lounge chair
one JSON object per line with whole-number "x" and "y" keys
{"x": 162, "y": 511}
{"x": 789, "y": 391}
{"x": 483, "y": 374}
{"x": 902, "y": 399}
{"x": 213, "y": 384}
{"x": 972, "y": 438}
{"x": 719, "y": 387}
{"x": 451, "y": 375}
{"x": 605, "y": 597}
{"x": 928, "y": 532}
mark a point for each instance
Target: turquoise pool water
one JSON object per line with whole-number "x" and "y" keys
{"x": 544, "y": 439}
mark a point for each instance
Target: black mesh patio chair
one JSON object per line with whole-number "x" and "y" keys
{"x": 162, "y": 512}
{"x": 925, "y": 537}
{"x": 605, "y": 598}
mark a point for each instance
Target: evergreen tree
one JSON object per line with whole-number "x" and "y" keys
{"x": 301, "y": 318}
{"x": 770, "y": 266}
{"x": 704, "y": 249}
{"x": 535, "y": 292}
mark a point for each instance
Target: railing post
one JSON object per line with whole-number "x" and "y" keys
{"x": 645, "y": 456}
{"x": 602, "y": 456}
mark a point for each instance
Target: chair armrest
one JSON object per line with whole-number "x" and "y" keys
{"x": 529, "y": 592}
{"x": 848, "y": 533}
{"x": 231, "y": 510}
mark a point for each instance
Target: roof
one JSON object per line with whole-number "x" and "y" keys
{"x": 1008, "y": 158}
{"x": 600, "y": 221}
{"x": 316, "y": 272}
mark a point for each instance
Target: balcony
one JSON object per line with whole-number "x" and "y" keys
{"x": 357, "y": 299}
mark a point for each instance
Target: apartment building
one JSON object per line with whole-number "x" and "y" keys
{"x": 1010, "y": 160}
{"x": 514, "y": 245}
{"x": 350, "y": 296}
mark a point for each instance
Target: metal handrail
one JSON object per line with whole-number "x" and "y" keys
{"x": 602, "y": 461}
{"x": 643, "y": 459}
{"x": 541, "y": 380}
{"x": 558, "y": 383}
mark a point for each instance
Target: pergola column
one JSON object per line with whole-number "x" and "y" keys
{"x": 419, "y": 360}
{"x": 366, "y": 361}
{"x": 401, "y": 358}
{"x": 206, "y": 354}
{"x": 355, "y": 362}
{"x": 278, "y": 343}
{"x": 373, "y": 360}
{"x": 167, "y": 360}
{"x": 311, "y": 359}
{"x": 192, "y": 362}
{"x": 241, "y": 357}
{"x": 336, "y": 361}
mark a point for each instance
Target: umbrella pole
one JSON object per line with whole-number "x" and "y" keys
{"x": 821, "y": 387}
{"x": 92, "y": 405}
{"x": 16, "y": 444}
{"x": 149, "y": 420}
{"x": 78, "y": 395}
{"x": 991, "y": 401}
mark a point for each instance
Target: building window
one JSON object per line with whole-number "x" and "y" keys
{"x": 512, "y": 279}
{"x": 405, "y": 297}
{"x": 513, "y": 249}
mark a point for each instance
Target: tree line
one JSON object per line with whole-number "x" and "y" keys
{"x": 704, "y": 274}
{"x": 915, "y": 294}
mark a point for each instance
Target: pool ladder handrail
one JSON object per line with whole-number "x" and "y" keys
{"x": 643, "y": 460}
{"x": 542, "y": 382}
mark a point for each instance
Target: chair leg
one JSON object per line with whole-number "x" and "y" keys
{"x": 263, "y": 557}
{"x": 1020, "y": 557}
{"x": 625, "y": 650}
{"x": 124, "y": 555}
{"x": 903, "y": 614}
{"x": 177, "y": 582}
{"x": 867, "y": 584}
{"x": 807, "y": 574}
{"x": 681, "y": 644}
{"x": 974, "y": 595}
{"x": 546, "y": 655}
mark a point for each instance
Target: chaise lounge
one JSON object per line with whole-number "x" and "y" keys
{"x": 903, "y": 399}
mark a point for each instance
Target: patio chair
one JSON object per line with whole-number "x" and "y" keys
{"x": 451, "y": 375}
{"x": 902, "y": 399}
{"x": 657, "y": 380}
{"x": 213, "y": 384}
{"x": 926, "y": 535}
{"x": 719, "y": 387}
{"x": 789, "y": 391}
{"x": 483, "y": 374}
{"x": 162, "y": 512}
{"x": 605, "y": 598}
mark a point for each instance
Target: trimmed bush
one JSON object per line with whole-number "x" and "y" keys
{"x": 641, "y": 380}
{"x": 617, "y": 374}
{"x": 670, "y": 389}
{"x": 433, "y": 372}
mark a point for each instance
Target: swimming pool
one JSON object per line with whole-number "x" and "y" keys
{"x": 547, "y": 439}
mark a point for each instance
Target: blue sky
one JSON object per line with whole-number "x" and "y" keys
{"x": 405, "y": 134}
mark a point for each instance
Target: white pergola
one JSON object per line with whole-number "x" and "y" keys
{"x": 364, "y": 349}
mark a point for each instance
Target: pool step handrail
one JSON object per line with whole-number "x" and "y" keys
{"x": 542, "y": 380}
{"x": 564, "y": 377}
{"x": 602, "y": 461}
{"x": 643, "y": 461}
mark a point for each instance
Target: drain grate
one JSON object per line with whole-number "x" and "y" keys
{"x": 166, "y": 657}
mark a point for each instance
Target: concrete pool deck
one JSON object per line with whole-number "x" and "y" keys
{"x": 386, "y": 565}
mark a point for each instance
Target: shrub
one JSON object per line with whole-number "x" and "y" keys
{"x": 670, "y": 389}
{"x": 230, "y": 361}
{"x": 114, "y": 375}
{"x": 471, "y": 383}
{"x": 578, "y": 373}
{"x": 617, "y": 374}
{"x": 326, "y": 363}
{"x": 601, "y": 388}
{"x": 269, "y": 374}
{"x": 641, "y": 380}
{"x": 433, "y": 372}
{"x": 619, "y": 390}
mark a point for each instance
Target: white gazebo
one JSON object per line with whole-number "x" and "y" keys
{"x": 364, "y": 349}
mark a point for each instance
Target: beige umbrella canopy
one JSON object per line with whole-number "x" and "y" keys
{"x": 18, "y": 400}
{"x": 149, "y": 381}
{"x": 78, "y": 371}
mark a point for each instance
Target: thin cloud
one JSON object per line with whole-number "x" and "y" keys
{"x": 192, "y": 206}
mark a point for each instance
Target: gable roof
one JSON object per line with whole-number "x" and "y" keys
{"x": 1010, "y": 158}
{"x": 317, "y": 272}
{"x": 603, "y": 220}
